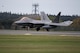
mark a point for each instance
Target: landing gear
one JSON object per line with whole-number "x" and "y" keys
{"x": 38, "y": 28}
{"x": 47, "y": 29}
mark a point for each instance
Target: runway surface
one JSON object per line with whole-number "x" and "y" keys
{"x": 25, "y": 32}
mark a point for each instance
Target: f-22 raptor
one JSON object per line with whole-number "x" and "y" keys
{"x": 45, "y": 22}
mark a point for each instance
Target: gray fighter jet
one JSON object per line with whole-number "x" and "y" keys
{"x": 45, "y": 22}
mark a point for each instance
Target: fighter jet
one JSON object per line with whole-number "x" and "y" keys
{"x": 45, "y": 22}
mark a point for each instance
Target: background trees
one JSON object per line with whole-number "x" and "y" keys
{"x": 76, "y": 24}
{"x": 6, "y": 19}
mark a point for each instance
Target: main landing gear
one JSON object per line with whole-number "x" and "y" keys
{"x": 38, "y": 28}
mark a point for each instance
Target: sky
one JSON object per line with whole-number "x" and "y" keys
{"x": 67, "y": 7}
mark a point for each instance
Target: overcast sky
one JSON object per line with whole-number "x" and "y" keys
{"x": 67, "y": 7}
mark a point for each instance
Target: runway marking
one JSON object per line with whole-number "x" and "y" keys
{"x": 28, "y": 34}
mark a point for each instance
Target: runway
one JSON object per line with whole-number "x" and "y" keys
{"x": 25, "y": 32}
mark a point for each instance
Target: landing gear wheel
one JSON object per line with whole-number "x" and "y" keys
{"x": 47, "y": 29}
{"x": 38, "y": 28}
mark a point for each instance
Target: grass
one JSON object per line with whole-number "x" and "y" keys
{"x": 39, "y": 44}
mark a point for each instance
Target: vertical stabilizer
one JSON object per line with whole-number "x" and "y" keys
{"x": 56, "y": 20}
{"x": 44, "y": 17}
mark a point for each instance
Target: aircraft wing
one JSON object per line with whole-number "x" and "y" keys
{"x": 66, "y": 23}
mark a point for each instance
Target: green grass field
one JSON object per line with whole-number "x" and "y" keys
{"x": 39, "y": 44}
